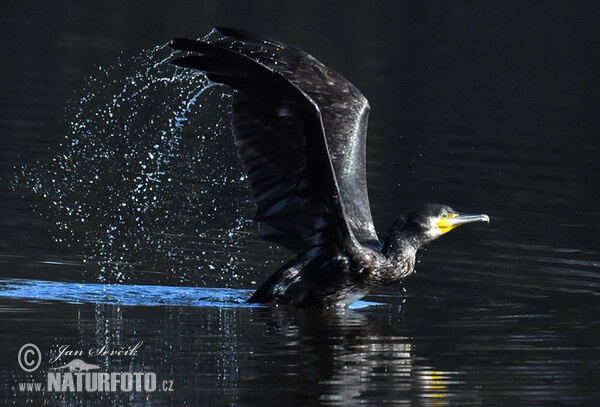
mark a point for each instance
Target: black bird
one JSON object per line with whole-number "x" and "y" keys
{"x": 300, "y": 129}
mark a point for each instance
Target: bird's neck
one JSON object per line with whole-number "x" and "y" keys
{"x": 401, "y": 245}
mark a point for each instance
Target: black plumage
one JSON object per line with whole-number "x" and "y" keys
{"x": 300, "y": 129}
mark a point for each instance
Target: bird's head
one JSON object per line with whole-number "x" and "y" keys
{"x": 433, "y": 220}
{"x": 428, "y": 222}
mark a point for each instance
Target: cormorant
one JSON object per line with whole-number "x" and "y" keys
{"x": 300, "y": 130}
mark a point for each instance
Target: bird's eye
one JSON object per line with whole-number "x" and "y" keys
{"x": 444, "y": 215}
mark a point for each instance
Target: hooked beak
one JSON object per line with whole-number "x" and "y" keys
{"x": 457, "y": 219}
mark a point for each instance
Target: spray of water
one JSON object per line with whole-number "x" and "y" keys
{"x": 146, "y": 180}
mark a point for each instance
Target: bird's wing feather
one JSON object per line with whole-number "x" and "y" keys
{"x": 280, "y": 139}
{"x": 344, "y": 114}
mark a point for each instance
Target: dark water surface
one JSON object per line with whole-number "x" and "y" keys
{"x": 125, "y": 216}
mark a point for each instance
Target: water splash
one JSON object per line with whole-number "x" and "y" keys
{"x": 146, "y": 180}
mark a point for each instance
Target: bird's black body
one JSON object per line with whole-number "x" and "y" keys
{"x": 300, "y": 129}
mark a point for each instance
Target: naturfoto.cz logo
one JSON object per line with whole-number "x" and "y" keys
{"x": 78, "y": 375}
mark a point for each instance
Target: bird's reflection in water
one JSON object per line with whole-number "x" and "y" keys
{"x": 356, "y": 358}
{"x": 222, "y": 355}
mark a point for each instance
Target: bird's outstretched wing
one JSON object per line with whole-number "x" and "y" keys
{"x": 300, "y": 129}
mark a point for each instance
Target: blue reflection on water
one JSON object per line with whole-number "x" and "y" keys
{"x": 132, "y": 295}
